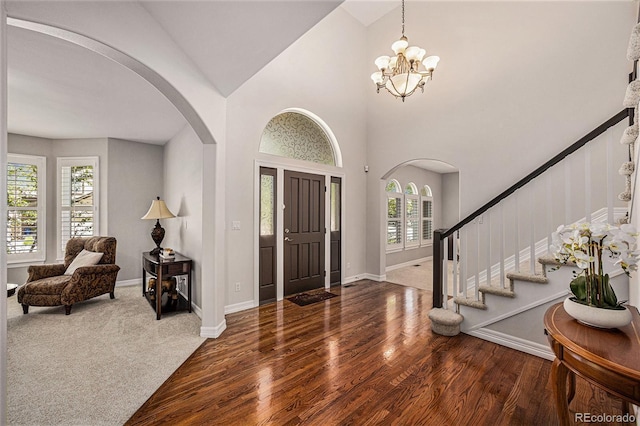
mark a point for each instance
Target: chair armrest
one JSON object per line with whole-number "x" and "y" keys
{"x": 37, "y": 272}
{"x": 94, "y": 269}
{"x": 90, "y": 281}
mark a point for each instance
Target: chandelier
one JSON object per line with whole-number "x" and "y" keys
{"x": 401, "y": 74}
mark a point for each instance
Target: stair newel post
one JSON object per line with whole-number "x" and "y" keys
{"x": 478, "y": 251}
{"x": 438, "y": 254}
{"x": 445, "y": 272}
{"x": 502, "y": 242}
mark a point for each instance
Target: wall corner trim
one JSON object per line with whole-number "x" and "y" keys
{"x": 213, "y": 332}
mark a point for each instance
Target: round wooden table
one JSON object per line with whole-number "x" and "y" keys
{"x": 610, "y": 359}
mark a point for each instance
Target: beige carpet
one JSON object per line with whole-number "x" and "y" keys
{"x": 96, "y": 366}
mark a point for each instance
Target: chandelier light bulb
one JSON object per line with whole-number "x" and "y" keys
{"x": 402, "y": 73}
{"x": 399, "y": 46}
{"x": 412, "y": 53}
{"x": 382, "y": 62}
{"x": 431, "y": 62}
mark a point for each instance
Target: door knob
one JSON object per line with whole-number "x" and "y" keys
{"x": 288, "y": 239}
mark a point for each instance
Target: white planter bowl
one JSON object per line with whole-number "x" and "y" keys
{"x": 597, "y": 317}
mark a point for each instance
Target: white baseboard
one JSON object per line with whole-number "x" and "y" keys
{"x": 409, "y": 263}
{"x": 196, "y": 310}
{"x": 522, "y": 345}
{"x": 213, "y": 332}
{"x": 237, "y": 307}
{"x": 128, "y": 283}
{"x": 377, "y": 278}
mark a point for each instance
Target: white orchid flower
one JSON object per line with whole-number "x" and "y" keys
{"x": 582, "y": 259}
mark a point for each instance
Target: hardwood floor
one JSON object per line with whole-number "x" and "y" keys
{"x": 365, "y": 357}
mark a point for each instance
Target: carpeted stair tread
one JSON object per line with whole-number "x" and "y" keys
{"x": 540, "y": 279}
{"x": 472, "y": 303}
{"x": 497, "y": 291}
{"x": 548, "y": 259}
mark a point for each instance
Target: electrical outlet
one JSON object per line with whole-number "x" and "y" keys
{"x": 237, "y": 286}
{"x": 348, "y": 265}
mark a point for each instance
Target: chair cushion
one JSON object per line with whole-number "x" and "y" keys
{"x": 52, "y": 285}
{"x": 84, "y": 258}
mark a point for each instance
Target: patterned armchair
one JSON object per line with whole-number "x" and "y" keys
{"x": 48, "y": 286}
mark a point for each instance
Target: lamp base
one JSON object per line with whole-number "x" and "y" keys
{"x": 157, "y": 235}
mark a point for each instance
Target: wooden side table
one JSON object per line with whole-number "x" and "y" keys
{"x": 165, "y": 268}
{"x": 608, "y": 359}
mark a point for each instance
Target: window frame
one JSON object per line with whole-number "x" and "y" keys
{"x": 76, "y": 162}
{"x": 411, "y": 197}
{"x": 39, "y": 256}
{"x": 395, "y": 194}
{"x": 426, "y": 195}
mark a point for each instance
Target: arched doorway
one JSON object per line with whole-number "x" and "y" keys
{"x": 421, "y": 195}
{"x": 299, "y": 217}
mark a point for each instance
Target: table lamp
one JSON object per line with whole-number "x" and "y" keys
{"x": 158, "y": 210}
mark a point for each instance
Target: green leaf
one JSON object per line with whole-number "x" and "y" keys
{"x": 609, "y": 295}
{"x": 579, "y": 288}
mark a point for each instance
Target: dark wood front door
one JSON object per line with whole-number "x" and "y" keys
{"x": 304, "y": 232}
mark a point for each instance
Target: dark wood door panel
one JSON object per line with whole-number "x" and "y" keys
{"x": 304, "y": 232}
{"x": 336, "y": 232}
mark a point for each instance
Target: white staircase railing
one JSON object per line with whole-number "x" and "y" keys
{"x": 502, "y": 236}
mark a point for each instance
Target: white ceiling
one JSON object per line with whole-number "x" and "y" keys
{"x": 230, "y": 41}
{"x": 58, "y": 90}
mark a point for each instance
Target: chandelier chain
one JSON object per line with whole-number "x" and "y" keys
{"x": 403, "y": 17}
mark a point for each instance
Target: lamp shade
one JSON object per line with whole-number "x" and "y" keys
{"x": 158, "y": 210}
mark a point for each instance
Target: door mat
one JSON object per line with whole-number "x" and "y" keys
{"x": 304, "y": 299}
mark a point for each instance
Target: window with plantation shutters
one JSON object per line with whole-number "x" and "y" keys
{"x": 427, "y": 215}
{"x": 25, "y": 208}
{"x": 77, "y": 199}
{"x": 394, "y": 216}
{"x": 412, "y": 215}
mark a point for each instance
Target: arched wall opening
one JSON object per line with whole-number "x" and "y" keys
{"x": 213, "y": 179}
{"x": 419, "y": 196}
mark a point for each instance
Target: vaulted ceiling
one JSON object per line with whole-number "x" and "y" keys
{"x": 58, "y": 90}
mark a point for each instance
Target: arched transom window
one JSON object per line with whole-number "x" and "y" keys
{"x": 294, "y": 135}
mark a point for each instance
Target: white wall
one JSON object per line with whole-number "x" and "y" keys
{"x": 135, "y": 179}
{"x": 183, "y": 195}
{"x": 450, "y": 199}
{"x": 304, "y": 76}
{"x": 511, "y": 90}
